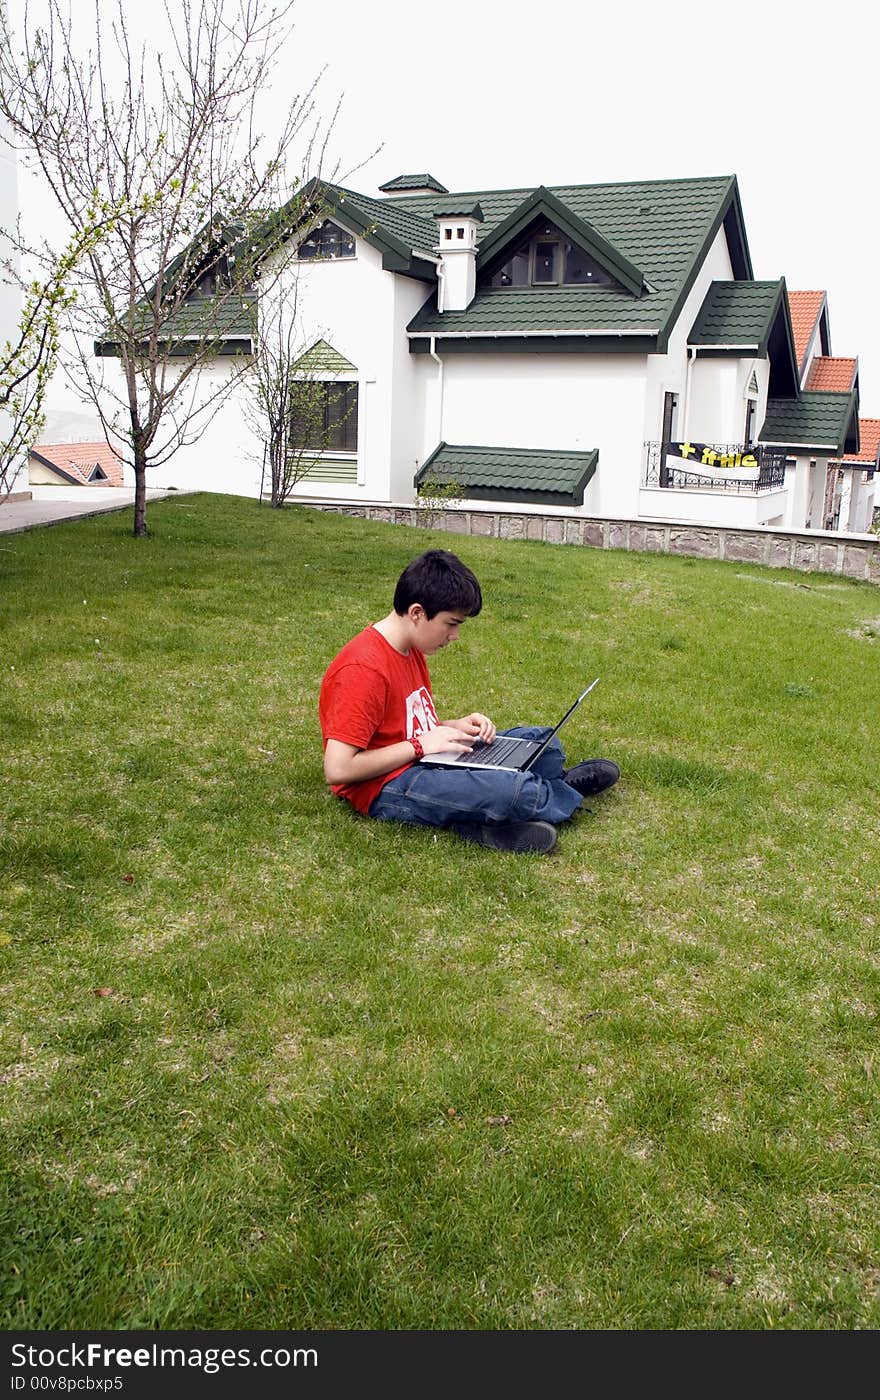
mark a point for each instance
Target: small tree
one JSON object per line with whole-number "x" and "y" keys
{"x": 295, "y": 409}
{"x": 28, "y": 361}
{"x": 166, "y": 132}
{"x": 434, "y": 496}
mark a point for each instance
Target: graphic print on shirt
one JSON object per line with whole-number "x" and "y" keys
{"x": 420, "y": 712}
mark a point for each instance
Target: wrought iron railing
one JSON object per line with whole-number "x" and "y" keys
{"x": 770, "y": 474}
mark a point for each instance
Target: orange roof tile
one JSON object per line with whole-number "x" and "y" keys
{"x": 832, "y": 374}
{"x": 869, "y": 444}
{"x": 78, "y": 460}
{"x": 805, "y": 309}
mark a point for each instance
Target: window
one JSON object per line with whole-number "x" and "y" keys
{"x": 751, "y": 410}
{"x": 327, "y": 241}
{"x": 323, "y": 415}
{"x": 670, "y": 417}
{"x": 549, "y": 259}
{"x": 667, "y": 432}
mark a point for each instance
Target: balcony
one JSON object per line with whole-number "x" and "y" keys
{"x": 732, "y": 468}
{"x": 722, "y": 484}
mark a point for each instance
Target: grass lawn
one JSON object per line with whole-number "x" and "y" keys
{"x": 267, "y": 1065}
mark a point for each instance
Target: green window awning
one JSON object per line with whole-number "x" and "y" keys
{"x": 542, "y": 476}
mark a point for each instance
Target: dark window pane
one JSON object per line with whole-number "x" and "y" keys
{"x": 545, "y": 262}
{"x": 581, "y": 270}
{"x": 520, "y": 269}
{"x": 307, "y": 410}
{"x": 328, "y": 241}
{"x": 341, "y": 417}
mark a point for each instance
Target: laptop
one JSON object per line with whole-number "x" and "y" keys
{"x": 505, "y": 752}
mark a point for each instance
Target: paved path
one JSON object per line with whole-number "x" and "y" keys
{"x": 52, "y": 504}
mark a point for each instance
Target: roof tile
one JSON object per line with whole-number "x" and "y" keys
{"x": 832, "y": 374}
{"x": 805, "y": 309}
{"x": 512, "y": 473}
{"x": 78, "y": 460}
{"x": 868, "y": 454}
{"x": 817, "y": 421}
{"x": 736, "y": 313}
{"x": 658, "y": 225}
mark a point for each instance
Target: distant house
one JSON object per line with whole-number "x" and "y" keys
{"x": 851, "y": 498}
{"x": 74, "y": 464}
{"x": 603, "y": 350}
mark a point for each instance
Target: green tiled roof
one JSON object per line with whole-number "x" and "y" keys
{"x": 540, "y": 475}
{"x": 661, "y": 227}
{"x": 537, "y": 310}
{"x": 229, "y": 321}
{"x": 415, "y": 182}
{"x": 388, "y": 215}
{"x": 737, "y": 314}
{"x": 323, "y": 359}
{"x": 815, "y": 421}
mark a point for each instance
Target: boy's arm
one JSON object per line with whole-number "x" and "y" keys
{"x": 344, "y": 763}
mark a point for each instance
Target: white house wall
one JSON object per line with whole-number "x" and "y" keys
{"x": 360, "y": 309}
{"x": 668, "y": 374}
{"x": 413, "y": 379}
{"x": 566, "y": 402}
{"x": 718, "y": 398}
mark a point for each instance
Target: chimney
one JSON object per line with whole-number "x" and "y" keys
{"x": 457, "y": 247}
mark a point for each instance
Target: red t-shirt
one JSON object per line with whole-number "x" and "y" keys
{"x": 373, "y": 696}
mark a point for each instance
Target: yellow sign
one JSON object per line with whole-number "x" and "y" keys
{"x": 699, "y": 459}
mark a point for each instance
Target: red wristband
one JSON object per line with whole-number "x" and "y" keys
{"x": 417, "y": 748}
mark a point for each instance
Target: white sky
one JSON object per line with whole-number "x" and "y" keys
{"x": 783, "y": 94}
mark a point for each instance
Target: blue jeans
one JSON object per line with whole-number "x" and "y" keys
{"x": 426, "y": 794}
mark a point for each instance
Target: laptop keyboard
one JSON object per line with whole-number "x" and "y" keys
{"x": 498, "y": 749}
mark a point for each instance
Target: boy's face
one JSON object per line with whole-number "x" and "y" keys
{"x": 435, "y": 632}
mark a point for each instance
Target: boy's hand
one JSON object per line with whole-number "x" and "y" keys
{"x": 445, "y": 738}
{"x": 475, "y": 726}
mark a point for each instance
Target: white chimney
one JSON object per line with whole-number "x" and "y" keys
{"x": 457, "y": 247}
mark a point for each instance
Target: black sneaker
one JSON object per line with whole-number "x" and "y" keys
{"x": 539, "y": 837}
{"x": 595, "y": 775}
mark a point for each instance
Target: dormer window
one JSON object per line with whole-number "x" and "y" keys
{"x": 549, "y": 259}
{"x": 328, "y": 240}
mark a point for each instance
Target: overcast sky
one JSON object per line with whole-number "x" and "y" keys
{"x": 498, "y": 95}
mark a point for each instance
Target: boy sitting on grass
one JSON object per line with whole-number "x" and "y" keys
{"x": 378, "y": 719}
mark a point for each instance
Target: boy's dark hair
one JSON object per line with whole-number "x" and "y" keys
{"x": 441, "y": 583}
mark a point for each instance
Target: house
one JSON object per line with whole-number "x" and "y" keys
{"x": 604, "y": 350}
{"x": 74, "y": 464}
{"x": 851, "y": 490}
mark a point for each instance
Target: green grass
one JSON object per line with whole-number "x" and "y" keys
{"x": 350, "y": 1075}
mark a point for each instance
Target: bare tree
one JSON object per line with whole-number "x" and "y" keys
{"x": 295, "y": 403}
{"x": 28, "y": 360}
{"x": 165, "y": 133}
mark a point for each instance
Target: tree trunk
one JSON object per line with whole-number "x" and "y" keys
{"x": 140, "y": 495}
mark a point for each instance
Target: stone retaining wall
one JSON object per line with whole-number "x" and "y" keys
{"x": 853, "y": 556}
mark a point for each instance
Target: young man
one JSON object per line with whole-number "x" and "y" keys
{"x": 378, "y": 720}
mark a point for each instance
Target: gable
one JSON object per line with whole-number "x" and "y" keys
{"x": 543, "y": 206}
{"x": 322, "y": 358}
